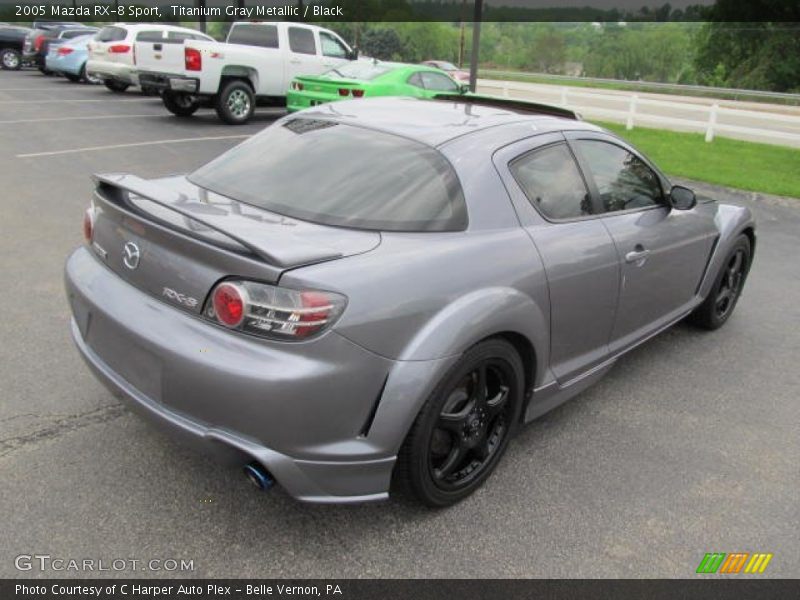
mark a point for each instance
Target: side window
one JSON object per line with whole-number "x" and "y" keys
{"x": 623, "y": 180}
{"x": 331, "y": 46}
{"x": 251, "y": 34}
{"x": 301, "y": 40}
{"x": 438, "y": 82}
{"x": 552, "y": 182}
{"x": 180, "y": 36}
{"x": 149, "y": 36}
{"x": 416, "y": 81}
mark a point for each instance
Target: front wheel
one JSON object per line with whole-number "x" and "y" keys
{"x": 180, "y": 104}
{"x": 236, "y": 103}
{"x": 116, "y": 86}
{"x": 10, "y": 59}
{"x": 464, "y": 427}
{"x": 717, "y": 308}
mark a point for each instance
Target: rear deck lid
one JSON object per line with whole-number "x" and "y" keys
{"x": 176, "y": 240}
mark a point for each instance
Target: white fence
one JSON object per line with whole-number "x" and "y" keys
{"x": 775, "y": 124}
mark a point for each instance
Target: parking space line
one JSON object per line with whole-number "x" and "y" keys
{"x": 132, "y": 145}
{"x": 48, "y": 119}
{"x": 69, "y": 101}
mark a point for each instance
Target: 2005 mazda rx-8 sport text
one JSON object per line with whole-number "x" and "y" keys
{"x": 373, "y": 294}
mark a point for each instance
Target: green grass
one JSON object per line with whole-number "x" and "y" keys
{"x": 745, "y": 165}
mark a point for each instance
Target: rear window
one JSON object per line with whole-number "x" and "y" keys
{"x": 247, "y": 34}
{"x": 340, "y": 175}
{"x": 111, "y": 34}
{"x": 362, "y": 70}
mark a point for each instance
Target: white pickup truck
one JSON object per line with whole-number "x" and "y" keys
{"x": 255, "y": 64}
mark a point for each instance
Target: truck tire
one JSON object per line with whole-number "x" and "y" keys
{"x": 236, "y": 103}
{"x": 10, "y": 59}
{"x": 116, "y": 86}
{"x": 180, "y": 104}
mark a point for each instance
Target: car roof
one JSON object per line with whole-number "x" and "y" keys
{"x": 435, "y": 122}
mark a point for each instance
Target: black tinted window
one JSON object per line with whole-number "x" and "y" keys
{"x": 301, "y": 40}
{"x": 73, "y": 33}
{"x": 553, "y": 183}
{"x": 111, "y": 34}
{"x": 438, "y": 82}
{"x": 149, "y": 36}
{"x": 341, "y": 175}
{"x": 623, "y": 180}
{"x": 248, "y": 34}
{"x": 416, "y": 80}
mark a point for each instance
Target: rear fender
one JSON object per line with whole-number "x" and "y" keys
{"x": 240, "y": 72}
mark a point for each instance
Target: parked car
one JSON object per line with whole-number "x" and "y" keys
{"x": 256, "y": 63}
{"x": 12, "y": 41}
{"x": 377, "y": 292}
{"x": 69, "y": 59}
{"x": 450, "y": 69}
{"x": 112, "y": 56}
{"x": 367, "y": 79}
{"x": 39, "y": 41}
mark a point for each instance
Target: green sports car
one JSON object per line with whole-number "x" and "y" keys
{"x": 361, "y": 79}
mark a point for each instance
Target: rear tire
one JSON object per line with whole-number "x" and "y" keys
{"x": 90, "y": 79}
{"x": 116, "y": 86}
{"x": 10, "y": 59}
{"x": 718, "y": 306}
{"x": 464, "y": 428}
{"x": 180, "y": 104}
{"x": 236, "y": 103}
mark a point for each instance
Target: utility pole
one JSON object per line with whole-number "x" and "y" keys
{"x": 476, "y": 40}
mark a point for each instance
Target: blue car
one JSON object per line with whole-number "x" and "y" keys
{"x": 69, "y": 59}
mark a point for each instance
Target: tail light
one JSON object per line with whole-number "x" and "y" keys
{"x": 119, "y": 49}
{"x": 296, "y": 85}
{"x": 273, "y": 312}
{"x": 193, "y": 59}
{"x": 344, "y": 92}
{"x": 37, "y": 42}
{"x": 88, "y": 225}
{"x": 64, "y": 51}
{"x": 358, "y": 93}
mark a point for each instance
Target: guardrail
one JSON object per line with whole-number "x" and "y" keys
{"x": 645, "y": 86}
{"x": 689, "y": 114}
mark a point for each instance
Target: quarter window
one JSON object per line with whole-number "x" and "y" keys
{"x": 331, "y": 46}
{"x": 553, "y": 183}
{"x": 623, "y": 180}
{"x": 301, "y": 40}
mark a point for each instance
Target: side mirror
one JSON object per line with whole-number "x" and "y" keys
{"x": 353, "y": 54}
{"x": 682, "y": 198}
{"x": 463, "y": 88}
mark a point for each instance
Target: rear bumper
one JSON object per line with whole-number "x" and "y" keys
{"x": 112, "y": 71}
{"x": 64, "y": 64}
{"x": 298, "y": 409}
{"x": 169, "y": 82}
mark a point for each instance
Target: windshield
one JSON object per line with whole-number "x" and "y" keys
{"x": 341, "y": 175}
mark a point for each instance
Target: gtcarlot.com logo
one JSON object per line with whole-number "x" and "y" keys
{"x": 732, "y": 563}
{"x": 45, "y": 562}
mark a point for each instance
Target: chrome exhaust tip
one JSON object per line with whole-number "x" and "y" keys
{"x": 259, "y": 476}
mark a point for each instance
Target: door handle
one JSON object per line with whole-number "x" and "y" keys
{"x": 637, "y": 255}
{"x": 295, "y": 61}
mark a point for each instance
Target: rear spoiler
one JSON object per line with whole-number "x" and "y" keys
{"x": 172, "y": 200}
{"x": 522, "y": 106}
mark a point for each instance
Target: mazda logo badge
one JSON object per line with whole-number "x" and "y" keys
{"x": 131, "y": 255}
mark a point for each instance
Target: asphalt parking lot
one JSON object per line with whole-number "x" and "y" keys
{"x": 690, "y": 445}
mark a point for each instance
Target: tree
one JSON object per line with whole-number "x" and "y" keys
{"x": 549, "y": 51}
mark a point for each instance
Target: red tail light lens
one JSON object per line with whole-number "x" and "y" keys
{"x": 37, "y": 43}
{"x": 296, "y": 85}
{"x": 273, "y": 312}
{"x": 193, "y": 59}
{"x": 358, "y": 93}
{"x": 228, "y": 301}
{"x": 64, "y": 51}
{"x": 119, "y": 49}
{"x": 88, "y": 225}
{"x": 344, "y": 92}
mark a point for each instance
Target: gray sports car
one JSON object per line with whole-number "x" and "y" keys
{"x": 372, "y": 295}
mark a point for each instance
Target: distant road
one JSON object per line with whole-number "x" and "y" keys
{"x": 751, "y": 121}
